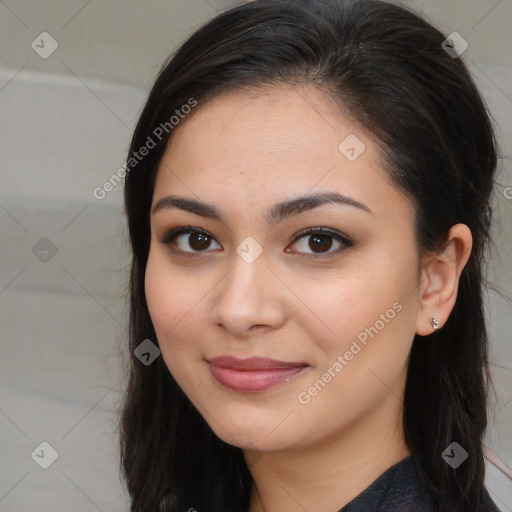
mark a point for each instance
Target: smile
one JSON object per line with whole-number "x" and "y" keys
{"x": 254, "y": 374}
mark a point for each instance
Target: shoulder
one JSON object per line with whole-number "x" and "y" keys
{"x": 397, "y": 489}
{"x": 406, "y": 492}
{"x": 408, "y": 495}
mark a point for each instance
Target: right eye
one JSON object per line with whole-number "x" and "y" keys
{"x": 196, "y": 239}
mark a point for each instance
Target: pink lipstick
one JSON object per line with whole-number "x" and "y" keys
{"x": 254, "y": 373}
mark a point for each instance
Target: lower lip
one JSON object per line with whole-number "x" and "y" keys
{"x": 253, "y": 380}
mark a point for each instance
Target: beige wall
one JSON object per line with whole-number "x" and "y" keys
{"x": 127, "y": 40}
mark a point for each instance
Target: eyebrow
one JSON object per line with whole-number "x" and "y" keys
{"x": 276, "y": 213}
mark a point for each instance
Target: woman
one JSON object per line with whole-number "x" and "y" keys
{"x": 308, "y": 223}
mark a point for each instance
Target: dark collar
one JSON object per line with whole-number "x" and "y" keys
{"x": 397, "y": 489}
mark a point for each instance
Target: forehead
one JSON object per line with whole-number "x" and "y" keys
{"x": 285, "y": 121}
{"x": 260, "y": 146}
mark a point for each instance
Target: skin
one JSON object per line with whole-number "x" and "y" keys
{"x": 243, "y": 152}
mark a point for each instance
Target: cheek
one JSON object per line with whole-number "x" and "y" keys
{"x": 176, "y": 304}
{"x": 371, "y": 295}
{"x": 363, "y": 353}
{"x": 168, "y": 294}
{"x": 159, "y": 297}
{"x": 171, "y": 307}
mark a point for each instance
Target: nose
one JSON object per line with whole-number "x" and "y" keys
{"x": 248, "y": 297}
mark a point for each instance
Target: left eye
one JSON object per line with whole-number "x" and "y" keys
{"x": 320, "y": 241}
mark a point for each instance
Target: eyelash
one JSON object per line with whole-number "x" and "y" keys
{"x": 322, "y": 230}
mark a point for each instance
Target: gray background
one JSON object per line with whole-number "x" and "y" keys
{"x": 65, "y": 127}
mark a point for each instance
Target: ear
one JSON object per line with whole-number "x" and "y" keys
{"x": 439, "y": 281}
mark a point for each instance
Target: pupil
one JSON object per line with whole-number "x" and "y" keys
{"x": 321, "y": 241}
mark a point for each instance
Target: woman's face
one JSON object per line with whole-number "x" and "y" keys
{"x": 343, "y": 304}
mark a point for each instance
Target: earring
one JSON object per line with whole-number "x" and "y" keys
{"x": 434, "y": 322}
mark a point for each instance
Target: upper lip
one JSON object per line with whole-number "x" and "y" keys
{"x": 252, "y": 363}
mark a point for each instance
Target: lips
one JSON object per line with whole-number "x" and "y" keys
{"x": 252, "y": 363}
{"x": 252, "y": 374}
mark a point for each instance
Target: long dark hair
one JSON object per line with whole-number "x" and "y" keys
{"x": 389, "y": 69}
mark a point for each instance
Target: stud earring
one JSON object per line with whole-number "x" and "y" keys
{"x": 434, "y": 322}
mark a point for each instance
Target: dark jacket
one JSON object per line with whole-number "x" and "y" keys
{"x": 398, "y": 490}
